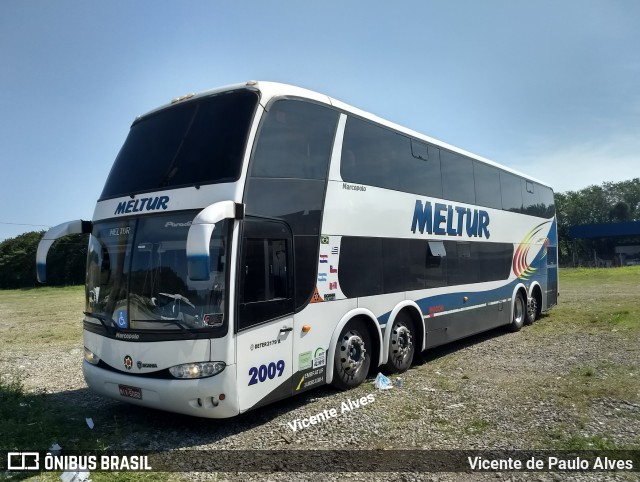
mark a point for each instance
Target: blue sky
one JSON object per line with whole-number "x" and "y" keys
{"x": 546, "y": 87}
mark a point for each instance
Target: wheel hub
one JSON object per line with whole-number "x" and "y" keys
{"x": 401, "y": 341}
{"x": 352, "y": 352}
{"x": 532, "y": 307}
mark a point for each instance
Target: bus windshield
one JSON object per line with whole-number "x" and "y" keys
{"x": 192, "y": 143}
{"x": 137, "y": 276}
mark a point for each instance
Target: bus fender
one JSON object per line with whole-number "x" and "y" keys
{"x": 532, "y": 287}
{"x": 371, "y": 321}
{"x": 518, "y": 287}
{"x": 392, "y": 317}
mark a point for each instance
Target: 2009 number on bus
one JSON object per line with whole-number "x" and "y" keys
{"x": 270, "y": 371}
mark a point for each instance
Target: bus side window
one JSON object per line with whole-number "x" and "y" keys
{"x": 511, "y": 188}
{"x": 265, "y": 270}
{"x": 265, "y": 280}
{"x": 256, "y": 286}
{"x": 531, "y": 199}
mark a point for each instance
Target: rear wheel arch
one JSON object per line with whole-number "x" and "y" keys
{"x": 372, "y": 326}
{"x": 518, "y": 308}
{"x": 412, "y": 310}
{"x": 535, "y": 294}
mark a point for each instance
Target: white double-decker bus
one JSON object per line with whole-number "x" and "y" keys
{"x": 258, "y": 240}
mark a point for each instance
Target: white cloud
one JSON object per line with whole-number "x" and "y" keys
{"x": 576, "y": 166}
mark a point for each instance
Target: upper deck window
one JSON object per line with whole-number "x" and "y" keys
{"x": 189, "y": 144}
{"x": 487, "y": 184}
{"x": 295, "y": 141}
{"x": 378, "y": 156}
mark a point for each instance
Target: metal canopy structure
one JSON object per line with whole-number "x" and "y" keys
{"x": 605, "y": 230}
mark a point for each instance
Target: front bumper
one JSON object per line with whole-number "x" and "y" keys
{"x": 199, "y": 397}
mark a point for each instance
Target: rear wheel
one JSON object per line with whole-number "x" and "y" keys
{"x": 532, "y": 310}
{"x": 352, "y": 359}
{"x": 519, "y": 313}
{"x": 401, "y": 345}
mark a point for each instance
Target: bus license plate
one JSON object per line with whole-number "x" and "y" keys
{"x": 131, "y": 392}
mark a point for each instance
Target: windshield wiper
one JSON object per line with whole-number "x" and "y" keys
{"x": 103, "y": 319}
{"x": 184, "y": 328}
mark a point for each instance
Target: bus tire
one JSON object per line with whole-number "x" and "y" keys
{"x": 352, "y": 359}
{"x": 532, "y": 311}
{"x": 519, "y": 313}
{"x": 401, "y": 344}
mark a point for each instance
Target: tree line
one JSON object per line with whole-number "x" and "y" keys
{"x": 65, "y": 263}
{"x": 609, "y": 202}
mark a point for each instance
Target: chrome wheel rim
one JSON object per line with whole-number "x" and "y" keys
{"x": 352, "y": 352}
{"x": 401, "y": 342}
{"x": 532, "y": 308}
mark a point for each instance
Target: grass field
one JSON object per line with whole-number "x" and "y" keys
{"x": 48, "y": 319}
{"x": 596, "y": 299}
{"x": 43, "y": 317}
{"x": 599, "y": 302}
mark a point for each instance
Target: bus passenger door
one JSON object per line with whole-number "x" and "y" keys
{"x": 265, "y": 313}
{"x": 552, "y": 277}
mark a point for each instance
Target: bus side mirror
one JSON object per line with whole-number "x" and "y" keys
{"x": 71, "y": 227}
{"x": 199, "y": 236}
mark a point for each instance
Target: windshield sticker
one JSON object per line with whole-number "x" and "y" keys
{"x": 120, "y": 231}
{"x": 121, "y": 319}
{"x": 213, "y": 319}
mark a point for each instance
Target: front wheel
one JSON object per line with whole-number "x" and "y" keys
{"x": 401, "y": 345}
{"x": 352, "y": 359}
{"x": 519, "y": 313}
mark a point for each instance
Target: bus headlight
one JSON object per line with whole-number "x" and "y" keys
{"x": 90, "y": 356}
{"x": 197, "y": 370}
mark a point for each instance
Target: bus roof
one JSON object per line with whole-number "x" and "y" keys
{"x": 270, "y": 90}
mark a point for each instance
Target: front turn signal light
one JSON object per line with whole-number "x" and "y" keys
{"x": 91, "y": 357}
